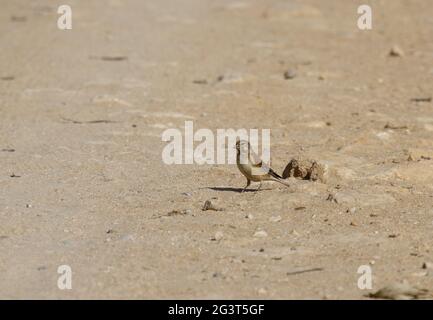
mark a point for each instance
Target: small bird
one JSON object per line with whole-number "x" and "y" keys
{"x": 252, "y": 167}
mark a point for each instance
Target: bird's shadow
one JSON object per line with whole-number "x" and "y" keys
{"x": 230, "y": 189}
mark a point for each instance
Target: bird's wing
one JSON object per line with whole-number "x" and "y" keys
{"x": 265, "y": 169}
{"x": 255, "y": 159}
{"x": 257, "y": 163}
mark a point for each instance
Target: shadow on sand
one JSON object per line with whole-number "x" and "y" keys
{"x": 230, "y": 189}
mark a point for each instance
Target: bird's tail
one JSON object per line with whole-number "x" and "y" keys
{"x": 282, "y": 181}
{"x": 276, "y": 177}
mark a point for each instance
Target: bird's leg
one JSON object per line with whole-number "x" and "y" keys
{"x": 248, "y": 184}
{"x": 260, "y": 185}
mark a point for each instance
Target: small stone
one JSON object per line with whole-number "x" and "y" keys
{"x": 295, "y": 233}
{"x": 231, "y": 77}
{"x": 275, "y": 219}
{"x": 427, "y": 265}
{"x": 332, "y": 197}
{"x": 249, "y": 216}
{"x": 208, "y": 205}
{"x": 396, "y": 51}
{"x": 28, "y": 205}
{"x": 260, "y": 234}
{"x": 351, "y": 210}
{"x": 218, "y": 236}
{"x": 289, "y": 74}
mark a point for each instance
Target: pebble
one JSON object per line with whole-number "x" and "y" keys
{"x": 289, "y": 74}
{"x": 427, "y": 265}
{"x": 208, "y": 205}
{"x": 231, "y": 77}
{"x": 260, "y": 234}
{"x": 352, "y": 210}
{"x": 396, "y": 51}
{"x": 218, "y": 236}
{"x": 295, "y": 233}
{"x": 275, "y": 219}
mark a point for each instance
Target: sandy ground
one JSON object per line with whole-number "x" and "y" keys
{"x": 95, "y": 195}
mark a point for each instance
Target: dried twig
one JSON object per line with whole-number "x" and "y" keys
{"x": 87, "y": 122}
{"x": 291, "y": 273}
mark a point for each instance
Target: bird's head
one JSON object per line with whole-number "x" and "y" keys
{"x": 242, "y": 146}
